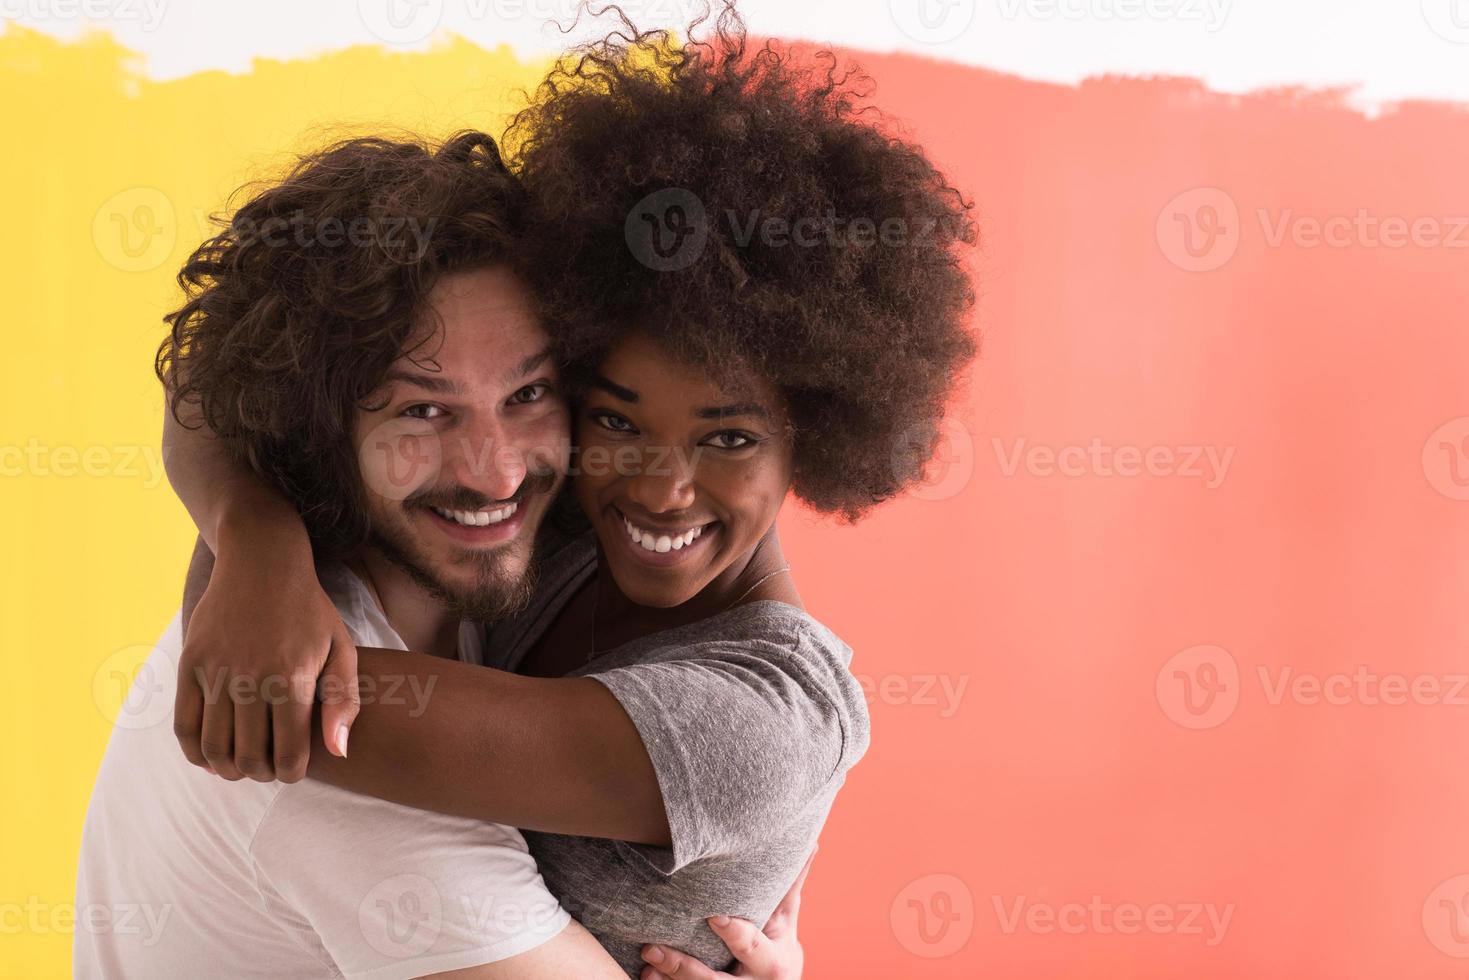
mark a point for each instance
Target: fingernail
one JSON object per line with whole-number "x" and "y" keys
{"x": 720, "y": 920}
{"x": 342, "y": 741}
{"x": 653, "y": 954}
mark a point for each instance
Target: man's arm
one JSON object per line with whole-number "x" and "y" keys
{"x": 572, "y": 953}
{"x": 558, "y": 755}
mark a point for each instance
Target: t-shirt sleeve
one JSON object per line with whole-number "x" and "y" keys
{"x": 387, "y": 891}
{"x": 744, "y": 736}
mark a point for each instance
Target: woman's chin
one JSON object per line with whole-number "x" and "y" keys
{"x": 645, "y": 594}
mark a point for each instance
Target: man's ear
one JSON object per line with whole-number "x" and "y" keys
{"x": 196, "y": 580}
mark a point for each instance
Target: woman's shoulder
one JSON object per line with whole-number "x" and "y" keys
{"x": 765, "y": 625}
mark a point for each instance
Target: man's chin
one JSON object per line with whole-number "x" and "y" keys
{"x": 485, "y": 585}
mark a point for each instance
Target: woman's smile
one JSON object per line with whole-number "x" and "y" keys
{"x": 662, "y": 545}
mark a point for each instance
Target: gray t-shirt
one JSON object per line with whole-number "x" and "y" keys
{"x": 752, "y": 719}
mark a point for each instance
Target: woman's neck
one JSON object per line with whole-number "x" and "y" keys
{"x": 616, "y": 619}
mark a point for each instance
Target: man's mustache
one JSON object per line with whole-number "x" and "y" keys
{"x": 459, "y": 497}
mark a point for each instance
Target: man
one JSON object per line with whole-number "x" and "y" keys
{"x": 297, "y": 344}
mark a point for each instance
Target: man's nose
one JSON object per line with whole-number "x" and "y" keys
{"x": 484, "y": 459}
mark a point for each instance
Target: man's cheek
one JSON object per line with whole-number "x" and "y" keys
{"x": 553, "y": 447}
{"x": 398, "y": 457}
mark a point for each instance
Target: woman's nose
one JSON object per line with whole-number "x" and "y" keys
{"x": 662, "y": 484}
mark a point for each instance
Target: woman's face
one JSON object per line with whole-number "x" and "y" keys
{"x": 680, "y": 477}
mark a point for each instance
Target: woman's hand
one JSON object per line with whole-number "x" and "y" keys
{"x": 773, "y": 953}
{"x": 260, "y": 636}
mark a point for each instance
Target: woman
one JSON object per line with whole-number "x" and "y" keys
{"x": 753, "y": 292}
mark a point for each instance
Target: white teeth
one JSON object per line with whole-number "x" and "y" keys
{"x": 661, "y": 543}
{"x": 476, "y": 518}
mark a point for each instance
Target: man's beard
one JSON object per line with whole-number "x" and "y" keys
{"x": 496, "y": 592}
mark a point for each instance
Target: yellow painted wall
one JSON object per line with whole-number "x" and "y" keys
{"x": 107, "y": 180}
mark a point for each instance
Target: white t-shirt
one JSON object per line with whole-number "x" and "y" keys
{"x": 183, "y": 874}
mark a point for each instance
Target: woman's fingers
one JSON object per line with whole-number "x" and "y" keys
{"x": 188, "y": 718}
{"x": 217, "y": 737}
{"x": 253, "y": 755}
{"x": 756, "y": 953}
{"x": 340, "y": 699}
{"x": 667, "y": 963}
{"x": 290, "y": 729}
{"x": 783, "y": 919}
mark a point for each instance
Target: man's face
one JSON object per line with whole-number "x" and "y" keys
{"x": 465, "y": 444}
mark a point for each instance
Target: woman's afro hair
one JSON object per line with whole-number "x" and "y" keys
{"x": 742, "y": 206}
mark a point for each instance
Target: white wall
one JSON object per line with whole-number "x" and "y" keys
{"x": 1383, "y": 49}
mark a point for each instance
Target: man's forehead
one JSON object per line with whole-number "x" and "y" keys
{"x": 445, "y": 375}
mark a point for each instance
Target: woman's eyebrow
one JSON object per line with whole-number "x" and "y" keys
{"x": 720, "y": 411}
{"x": 615, "y": 389}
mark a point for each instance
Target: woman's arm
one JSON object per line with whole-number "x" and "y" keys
{"x": 553, "y": 754}
{"x": 263, "y": 615}
{"x": 557, "y": 754}
{"x": 772, "y": 953}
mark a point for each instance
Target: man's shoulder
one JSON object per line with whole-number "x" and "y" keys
{"x": 365, "y": 620}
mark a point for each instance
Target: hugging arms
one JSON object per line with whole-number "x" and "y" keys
{"x": 549, "y": 460}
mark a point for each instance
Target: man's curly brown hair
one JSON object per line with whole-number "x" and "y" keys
{"x": 296, "y": 309}
{"x": 669, "y": 182}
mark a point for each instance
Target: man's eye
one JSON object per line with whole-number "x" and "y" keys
{"x": 423, "y": 411}
{"x": 530, "y": 393}
{"x": 730, "y": 440}
{"x": 614, "y": 423}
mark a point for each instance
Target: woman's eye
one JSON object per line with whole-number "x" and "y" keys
{"x": 614, "y": 423}
{"x": 423, "y": 411}
{"x": 730, "y": 440}
{"x": 530, "y": 393}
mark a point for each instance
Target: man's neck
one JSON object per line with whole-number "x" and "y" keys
{"x": 423, "y": 622}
